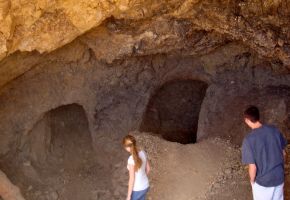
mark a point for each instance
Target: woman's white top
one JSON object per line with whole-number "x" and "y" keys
{"x": 141, "y": 180}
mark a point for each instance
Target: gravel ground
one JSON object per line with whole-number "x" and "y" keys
{"x": 208, "y": 170}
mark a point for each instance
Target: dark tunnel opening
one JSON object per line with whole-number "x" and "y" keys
{"x": 173, "y": 111}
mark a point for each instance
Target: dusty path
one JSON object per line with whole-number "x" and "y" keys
{"x": 235, "y": 185}
{"x": 208, "y": 170}
{"x": 189, "y": 172}
{"x": 186, "y": 170}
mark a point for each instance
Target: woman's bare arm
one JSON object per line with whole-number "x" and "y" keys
{"x": 147, "y": 167}
{"x": 131, "y": 181}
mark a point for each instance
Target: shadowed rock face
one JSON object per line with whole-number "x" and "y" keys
{"x": 111, "y": 58}
{"x": 115, "y": 95}
{"x": 173, "y": 111}
{"x": 136, "y": 27}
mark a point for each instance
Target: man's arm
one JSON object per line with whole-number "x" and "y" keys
{"x": 283, "y": 145}
{"x": 252, "y": 172}
{"x": 249, "y": 160}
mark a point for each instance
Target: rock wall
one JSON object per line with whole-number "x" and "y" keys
{"x": 173, "y": 111}
{"x": 111, "y": 57}
{"x": 146, "y": 26}
{"x": 115, "y": 95}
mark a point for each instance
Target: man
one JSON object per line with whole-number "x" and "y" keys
{"x": 264, "y": 152}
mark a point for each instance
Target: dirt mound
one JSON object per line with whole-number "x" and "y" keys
{"x": 207, "y": 170}
{"x": 194, "y": 171}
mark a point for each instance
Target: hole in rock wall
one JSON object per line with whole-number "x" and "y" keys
{"x": 173, "y": 111}
{"x": 57, "y": 157}
{"x": 61, "y": 137}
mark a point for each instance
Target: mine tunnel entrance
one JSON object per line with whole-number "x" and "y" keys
{"x": 60, "y": 150}
{"x": 70, "y": 135}
{"x": 61, "y": 136}
{"x": 173, "y": 111}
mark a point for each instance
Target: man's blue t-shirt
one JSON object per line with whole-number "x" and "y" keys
{"x": 264, "y": 147}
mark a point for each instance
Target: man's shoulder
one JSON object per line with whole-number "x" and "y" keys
{"x": 270, "y": 126}
{"x": 265, "y": 128}
{"x": 255, "y": 134}
{"x": 248, "y": 138}
{"x": 252, "y": 136}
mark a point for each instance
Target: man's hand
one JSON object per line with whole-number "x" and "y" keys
{"x": 252, "y": 173}
{"x": 128, "y": 198}
{"x": 285, "y": 156}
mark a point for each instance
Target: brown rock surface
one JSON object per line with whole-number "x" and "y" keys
{"x": 8, "y": 191}
{"x": 44, "y": 26}
{"x": 99, "y": 65}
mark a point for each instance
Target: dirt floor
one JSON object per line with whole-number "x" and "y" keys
{"x": 207, "y": 170}
{"x": 195, "y": 171}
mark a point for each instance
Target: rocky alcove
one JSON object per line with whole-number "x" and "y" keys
{"x": 173, "y": 111}
{"x": 57, "y": 155}
{"x": 62, "y": 137}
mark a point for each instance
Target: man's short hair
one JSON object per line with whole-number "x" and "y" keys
{"x": 252, "y": 113}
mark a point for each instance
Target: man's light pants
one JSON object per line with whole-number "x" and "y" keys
{"x": 268, "y": 193}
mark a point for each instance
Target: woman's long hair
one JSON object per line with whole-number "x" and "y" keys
{"x": 130, "y": 141}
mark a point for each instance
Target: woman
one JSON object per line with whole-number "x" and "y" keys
{"x": 138, "y": 167}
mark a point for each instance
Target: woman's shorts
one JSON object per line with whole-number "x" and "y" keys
{"x": 139, "y": 195}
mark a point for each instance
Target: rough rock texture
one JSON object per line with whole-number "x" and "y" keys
{"x": 44, "y": 26}
{"x": 202, "y": 164}
{"x": 273, "y": 101}
{"x": 115, "y": 96}
{"x": 8, "y": 191}
{"x": 173, "y": 111}
{"x": 109, "y": 58}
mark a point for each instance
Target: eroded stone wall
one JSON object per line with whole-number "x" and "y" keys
{"x": 115, "y": 95}
{"x": 173, "y": 111}
{"x": 111, "y": 57}
{"x": 138, "y": 26}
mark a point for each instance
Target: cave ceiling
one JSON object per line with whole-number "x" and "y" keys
{"x": 116, "y": 29}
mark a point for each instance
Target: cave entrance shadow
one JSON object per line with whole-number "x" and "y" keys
{"x": 60, "y": 137}
{"x": 173, "y": 111}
